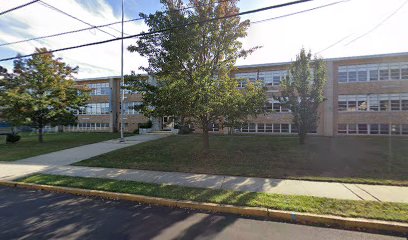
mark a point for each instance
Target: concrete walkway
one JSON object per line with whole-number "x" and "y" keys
{"x": 57, "y": 163}
{"x": 280, "y": 186}
{"x": 20, "y": 168}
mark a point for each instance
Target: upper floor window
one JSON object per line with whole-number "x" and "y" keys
{"x": 98, "y": 89}
{"x": 373, "y": 102}
{"x": 130, "y": 107}
{"x": 269, "y": 78}
{"x": 373, "y": 72}
{"x": 95, "y": 109}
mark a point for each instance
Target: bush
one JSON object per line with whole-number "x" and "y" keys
{"x": 12, "y": 138}
{"x": 136, "y": 131}
{"x": 147, "y": 124}
{"x": 184, "y": 130}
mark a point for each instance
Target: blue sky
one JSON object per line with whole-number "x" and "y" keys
{"x": 281, "y": 39}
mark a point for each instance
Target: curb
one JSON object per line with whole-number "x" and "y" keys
{"x": 360, "y": 224}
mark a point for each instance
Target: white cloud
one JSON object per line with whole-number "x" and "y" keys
{"x": 281, "y": 39}
{"x": 38, "y": 20}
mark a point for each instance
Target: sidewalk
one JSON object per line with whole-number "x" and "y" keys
{"x": 57, "y": 163}
{"x": 20, "y": 168}
{"x": 279, "y": 186}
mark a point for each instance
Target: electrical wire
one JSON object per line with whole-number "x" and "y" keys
{"x": 163, "y": 30}
{"x": 18, "y": 7}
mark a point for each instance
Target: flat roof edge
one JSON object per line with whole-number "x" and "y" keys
{"x": 399, "y": 54}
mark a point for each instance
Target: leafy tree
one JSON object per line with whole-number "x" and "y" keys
{"x": 302, "y": 91}
{"x": 192, "y": 61}
{"x": 41, "y": 91}
{"x": 238, "y": 106}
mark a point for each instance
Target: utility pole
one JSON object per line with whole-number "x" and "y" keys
{"x": 122, "y": 83}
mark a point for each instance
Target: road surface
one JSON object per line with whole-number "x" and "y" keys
{"x": 27, "y": 214}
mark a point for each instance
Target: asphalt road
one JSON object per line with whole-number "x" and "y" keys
{"x": 26, "y": 214}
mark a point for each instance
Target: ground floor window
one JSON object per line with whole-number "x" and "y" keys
{"x": 277, "y": 128}
{"x": 372, "y": 129}
{"x": 88, "y": 126}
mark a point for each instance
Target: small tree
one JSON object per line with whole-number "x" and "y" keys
{"x": 302, "y": 91}
{"x": 41, "y": 92}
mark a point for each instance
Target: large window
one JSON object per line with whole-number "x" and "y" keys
{"x": 245, "y": 77}
{"x": 372, "y": 129}
{"x": 284, "y": 128}
{"x": 98, "y": 89}
{"x": 95, "y": 109}
{"x": 373, "y": 72}
{"x": 275, "y": 106}
{"x": 373, "y": 102}
{"x": 130, "y": 108}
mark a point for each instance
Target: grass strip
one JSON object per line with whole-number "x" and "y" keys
{"x": 370, "y": 181}
{"x": 345, "y": 208}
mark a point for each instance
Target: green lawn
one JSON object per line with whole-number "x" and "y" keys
{"x": 372, "y": 160}
{"x": 29, "y": 146}
{"x": 345, "y": 208}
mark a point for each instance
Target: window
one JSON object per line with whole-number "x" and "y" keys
{"x": 351, "y": 103}
{"x": 252, "y": 127}
{"x": 244, "y": 128}
{"x": 362, "y": 75}
{"x": 404, "y": 72}
{"x": 213, "y": 127}
{"x": 269, "y": 127}
{"x": 243, "y": 78}
{"x": 261, "y": 127}
{"x": 342, "y": 75}
{"x": 362, "y": 103}
{"x": 373, "y": 74}
{"x": 342, "y": 128}
{"x": 130, "y": 108}
{"x": 342, "y": 105}
{"x": 384, "y": 103}
{"x": 352, "y": 129}
{"x": 395, "y": 102}
{"x": 374, "y": 129}
{"x": 276, "y": 106}
{"x": 404, "y": 129}
{"x": 404, "y": 102}
{"x": 269, "y": 106}
{"x": 362, "y": 129}
{"x": 374, "y": 103}
{"x": 384, "y": 73}
{"x": 395, "y": 129}
{"x": 276, "y": 128}
{"x": 276, "y": 78}
{"x": 352, "y": 75}
{"x": 384, "y": 129}
{"x": 395, "y": 72}
{"x": 95, "y": 109}
{"x": 285, "y": 128}
{"x": 98, "y": 89}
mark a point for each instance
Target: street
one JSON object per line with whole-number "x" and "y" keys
{"x": 27, "y": 214}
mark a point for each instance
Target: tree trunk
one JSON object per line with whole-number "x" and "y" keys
{"x": 40, "y": 134}
{"x": 302, "y": 137}
{"x": 206, "y": 138}
{"x": 206, "y": 141}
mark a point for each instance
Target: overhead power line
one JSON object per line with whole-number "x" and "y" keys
{"x": 379, "y": 24}
{"x": 164, "y": 30}
{"x": 18, "y": 7}
{"x": 299, "y": 12}
{"x": 73, "y": 17}
{"x": 90, "y": 28}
